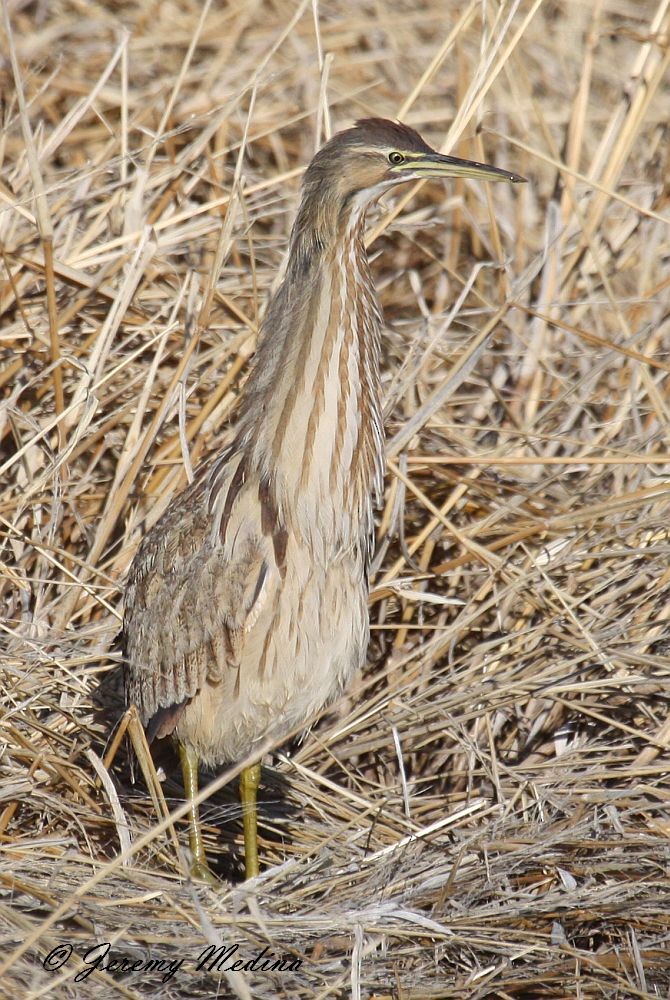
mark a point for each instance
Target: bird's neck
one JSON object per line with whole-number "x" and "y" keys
{"x": 311, "y": 412}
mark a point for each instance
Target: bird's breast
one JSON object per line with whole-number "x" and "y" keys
{"x": 322, "y": 440}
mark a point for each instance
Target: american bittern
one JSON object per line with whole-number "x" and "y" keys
{"x": 246, "y": 608}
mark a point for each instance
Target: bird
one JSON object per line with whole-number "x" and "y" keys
{"x": 246, "y": 603}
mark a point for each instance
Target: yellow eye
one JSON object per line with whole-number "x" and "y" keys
{"x": 396, "y": 158}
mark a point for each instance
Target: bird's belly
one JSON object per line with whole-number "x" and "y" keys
{"x": 309, "y": 637}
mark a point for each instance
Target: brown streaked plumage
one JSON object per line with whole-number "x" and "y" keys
{"x": 246, "y": 605}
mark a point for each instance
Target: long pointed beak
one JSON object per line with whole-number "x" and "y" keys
{"x": 421, "y": 165}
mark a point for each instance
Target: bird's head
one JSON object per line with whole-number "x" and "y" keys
{"x": 357, "y": 165}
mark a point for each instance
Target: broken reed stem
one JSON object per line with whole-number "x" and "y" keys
{"x": 54, "y": 340}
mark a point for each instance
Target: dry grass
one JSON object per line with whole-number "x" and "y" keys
{"x": 487, "y": 816}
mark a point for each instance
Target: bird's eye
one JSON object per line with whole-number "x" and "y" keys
{"x": 396, "y": 158}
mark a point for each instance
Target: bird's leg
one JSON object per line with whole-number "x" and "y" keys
{"x": 250, "y": 779}
{"x": 189, "y": 769}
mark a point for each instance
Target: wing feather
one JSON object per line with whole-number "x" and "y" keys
{"x": 196, "y": 588}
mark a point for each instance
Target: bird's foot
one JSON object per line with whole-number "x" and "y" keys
{"x": 201, "y": 872}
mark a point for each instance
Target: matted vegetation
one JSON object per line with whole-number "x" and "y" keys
{"x": 486, "y": 814}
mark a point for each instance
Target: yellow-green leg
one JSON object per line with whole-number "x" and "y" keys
{"x": 189, "y": 769}
{"x": 250, "y": 779}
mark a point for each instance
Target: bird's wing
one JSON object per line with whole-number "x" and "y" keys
{"x": 196, "y": 588}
